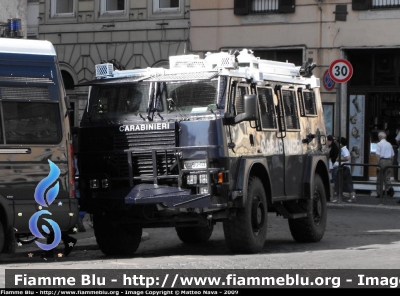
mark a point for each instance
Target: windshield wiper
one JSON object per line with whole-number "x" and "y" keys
{"x": 158, "y": 113}
{"x": 171, "y": 104}
{"x": 141, "y": 116}
{"x": 150, "y": 107}
{"x": 215, "y": 114}
{"x": 155, "y": 100}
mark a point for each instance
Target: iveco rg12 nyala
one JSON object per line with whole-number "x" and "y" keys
{"x": 226, "y": 139}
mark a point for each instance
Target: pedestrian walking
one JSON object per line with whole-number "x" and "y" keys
{"x": 397, "y": 154}
{"x": 347, "y": 179}
{"x": 384, "y": 156}
{"x": 333, "y": 155}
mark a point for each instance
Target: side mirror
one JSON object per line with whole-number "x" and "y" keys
{"x": 250, "y": 109}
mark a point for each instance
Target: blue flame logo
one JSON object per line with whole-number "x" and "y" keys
{"x": 45, "y": 199}
{"x": 45, "y": 183}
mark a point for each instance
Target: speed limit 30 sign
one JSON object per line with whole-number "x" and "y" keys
{"x": 341, "y": 70}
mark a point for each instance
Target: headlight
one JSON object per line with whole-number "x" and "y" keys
{"x": 195, "y": 164}
{"x": 191, "y": 179}
{"x": 104, "y": 183}
{"x": 203, "y": 179}
{"x": 203, "y": 190}
{"x": 94, "y": 184}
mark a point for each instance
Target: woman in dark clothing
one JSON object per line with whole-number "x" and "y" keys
{"x": 333, "y": 155}
{"x": 334, "y": 149}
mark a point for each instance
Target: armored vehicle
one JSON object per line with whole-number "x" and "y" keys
{"x": 227, "y": 138}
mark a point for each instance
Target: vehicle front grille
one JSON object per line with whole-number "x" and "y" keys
{"x": 141, "y": 144}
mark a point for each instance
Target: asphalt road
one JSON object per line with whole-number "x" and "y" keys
{"x": 355, "y": 238}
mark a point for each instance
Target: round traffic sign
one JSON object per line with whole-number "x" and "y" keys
{"x": 341, "y": 70}
{"x": 329, "y": 84}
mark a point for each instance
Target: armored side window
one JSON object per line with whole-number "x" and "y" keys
{"x": 266, "y": 108}
{"x": 239, "y": 99}
{"x": 222, "y": 86}
{"x": 307, "y": 102}
{"x": 290, "y": 107}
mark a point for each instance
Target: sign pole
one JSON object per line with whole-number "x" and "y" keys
{"x": 340, "y": 71}
{"x": 340, "y": 169}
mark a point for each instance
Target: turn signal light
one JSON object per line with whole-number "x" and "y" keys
{"x": 220, "y": 177}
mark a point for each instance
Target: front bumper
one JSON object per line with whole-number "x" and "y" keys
{"x": 171, "y": 197}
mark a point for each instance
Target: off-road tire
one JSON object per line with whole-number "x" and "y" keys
{"x": 311, "y": 228}
{"x": 246, "y": 232}
{"x": 194, "y": 235}
{"x": 116, "y": 239}
{"x": 10, "y": 242}
{"x": 2, "y": 237}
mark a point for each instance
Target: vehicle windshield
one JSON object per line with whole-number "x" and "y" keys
{"x": 118, "y": 103}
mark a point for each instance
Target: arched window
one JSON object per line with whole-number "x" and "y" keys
{"x": 68, "y": 80}
{"x": 161, "y": 64}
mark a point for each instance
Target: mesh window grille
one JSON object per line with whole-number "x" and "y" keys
{"x": 239, "y": 100}
{"x": 385, "y": 3}
{"x": 309, "y": 103}
{"x": 291, "y": 112}
{"x": 264, "y": 5}
{"x": 266, "y": 104}
{"x": 24, "y": 93}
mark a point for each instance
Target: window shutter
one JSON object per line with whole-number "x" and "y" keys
{"x": 360, "y": 4}
{"x": 340, "y": 12}
{"x": 287, "y": 6}
{"x": 241, "y": 7}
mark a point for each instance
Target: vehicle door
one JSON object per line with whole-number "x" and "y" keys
{"x": 294, "y": 159}
{"x": 270, "y": 140}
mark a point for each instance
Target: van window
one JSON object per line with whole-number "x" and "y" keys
{"x": 266, "y": 107}
{"x": 290, "y": 106}
{"x": 31, "y": 122}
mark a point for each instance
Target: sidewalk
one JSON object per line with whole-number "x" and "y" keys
{"x": 364, "y": 199}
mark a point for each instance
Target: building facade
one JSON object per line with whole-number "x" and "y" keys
{"x": 320, "y": 31}
{"x": 129, "y": 33}
{"x": 13, "y": 9}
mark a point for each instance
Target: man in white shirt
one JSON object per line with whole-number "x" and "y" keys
{"x": 384, "y": 155}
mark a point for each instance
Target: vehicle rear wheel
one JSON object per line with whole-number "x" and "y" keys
{"x": 311, "y": 228}
{"x": 116, "y": 239}
{"x": 247, "y": 231}
{"x": 194, "y": 235}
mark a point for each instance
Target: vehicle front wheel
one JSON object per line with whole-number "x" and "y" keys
{"x": 116, "y": 239}
{"x": 247, "y": 231}
{"x": 194, "y": 235}
{"x": 311, "y": 228}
